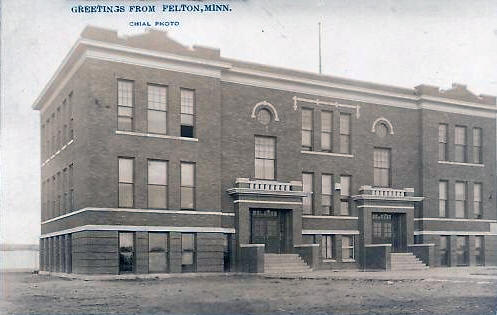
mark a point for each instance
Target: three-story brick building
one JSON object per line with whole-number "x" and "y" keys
{"x": 162, "y": 158}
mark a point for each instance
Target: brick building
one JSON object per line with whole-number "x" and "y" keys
{"x": 157, "y": 157}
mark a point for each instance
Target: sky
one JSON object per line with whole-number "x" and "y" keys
{"x": 401, "y": 43}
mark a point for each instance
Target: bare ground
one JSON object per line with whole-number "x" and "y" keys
{"x": 41, "y": 294}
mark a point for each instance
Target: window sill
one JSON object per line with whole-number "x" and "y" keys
{"x": 348, "y": 260}
{"x": 154, "y": 135}
{"x": 328, "y": 153}
{"x": 461, "y": 163}
{"x": 329, "y": 260}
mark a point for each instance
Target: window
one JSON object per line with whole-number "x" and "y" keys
{"x": 460, "y": 200}
{"x": 158, "y": 249}
{"x": 442, "y": 199}
{"x": 348, "y": 247}
{"x": 444, "y": 250}
{"x": 187, "y": 113}
{"x": 126, "y": 182}
{"x": 462, "y": 251}
{"x": 187, "y": 252}
{"x": 227, "y": 253}
{"x": 381, "y": 130}
{"x": 124, "y": 105}
{"x": 327, "y": 246}
{"x": 157, "y": 109}
{"x": 345, "y": 133}
{"x": 460, "y": 144}
{"x": 479, "y": 251}
{"x": 71, "y": 117}
{"x": 477, "y": 205}
{"x": 308, "y": 187}
{"x": 265, "y": 157}
{"x": 187, "y": 185}
{"x": 264, "y": 116}
{"x": 326, "y": 127}
{"x": 64, "y": 191}
{"x": 326, "y": 194}
{"x": 344, "y": 195}
{"x": 126, "y": 252}
{"x": 157, "y": 184}
{"x": 381, "y": 165}
{"x": 58, "y": 206}
{"x": 307, "y": 126}
{"x": 477, "y": 154}
{"x": 70, "y": 201}
{"x": 442, "y": 142}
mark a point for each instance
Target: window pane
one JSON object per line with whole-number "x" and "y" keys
{"x": 344, "y": 144}
{"x": 125, "y": 111}
{"x": 157, "y": 242}
{"x": 345, "y": 185}
{"x": 344, "y": 207}
{"x": 326, "y": 121}
{"x": 157, "y": 262}
{"x": 259, "y": 168}
{"x": 442, "y": 133}
{"x": 187, "y": 197}
{"x": 308, "y": 188}
{"x": 124, "y": 93}
{"x": 125, "y": 195}
{"x": 306, "y": 119}
{"x": 125, "y": 170}
{"x": 460, "y": 154}
{"x": 268, "y": 169}
{"x": 264, "y": 147}
{"x": 326, "y": 184}
{"x": 344, "y": 124}
{"x": 187, "y": 174}
{"x": 157, "y": 121}
{"x": 187, "y": 119}
{"x": 157, "y": 196}
{"x": 187, "y": 258}
{"x": 477, "y": 192}
{"x": 326, "y": 141}
{"x": 125, "y": 123}
{"x": 187, "y": 241}
{"x": 157, "y": 172}
{"x": 187, "y": 101}
{"x": 157, "y": 97}
{"x": 126, "y": 252}
{"x": 306, "y": 138}
{"x": 460, "y": 136}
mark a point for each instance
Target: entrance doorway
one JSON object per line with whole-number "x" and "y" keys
{"x": 268, "y": 228}
{"x": 389, "y": 228}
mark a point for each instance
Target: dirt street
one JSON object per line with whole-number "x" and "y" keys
{"x": 37, "y": 294}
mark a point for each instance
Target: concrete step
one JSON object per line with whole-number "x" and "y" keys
{"x": 284, "y": 263}
{"x": 406, "y": 261}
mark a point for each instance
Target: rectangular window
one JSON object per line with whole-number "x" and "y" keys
{"x": 460, "y": 144}
{"x": 462, "y": 251}
{"x": 126, "y": 182}
{"x": 187, "y": 185}
{"x": 381, "y": 167}
{"x": 71, "y": 117}
{"x": 188, "y": 251}
{"x": 345, "y": 133}
{"x": 477, "y": 141}
{"x": 442, "y": 198}
{"x": 59, "y": 145}
{"x": 477, "y": 205}
{"x": 307, "y": 126}
{"x": 326, "y": 194}
{"x": 344, "y": 195}
{"x": 157, "y": 184}
{"x": 157, "y": 109}
{"x": 444, "y": 250}
{"x": 158, "y": 250}
{"x": 124, "y": 105}
{"x": 327, "y": 246}
{"x": 460, "y": 199}
{"x": 70, "y": 201}
{"x": 187, "y": 113}
{"x": 265, "y": 157}
{"x": 126, "y": 252}
{"x": 308, "y": 187}
{"x": 227, "y": 252}
{"x": 65, "y": 190}
{"x": 326, "y": 127}
{"x": 348, "y": 247}
{"x": 442, "y": 142}
{"x": 479, "y": 251}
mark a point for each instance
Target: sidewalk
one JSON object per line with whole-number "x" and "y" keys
{"x": 433, "y": 274}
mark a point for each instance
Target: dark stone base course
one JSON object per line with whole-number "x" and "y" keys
{"x": 96, "y": 252}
